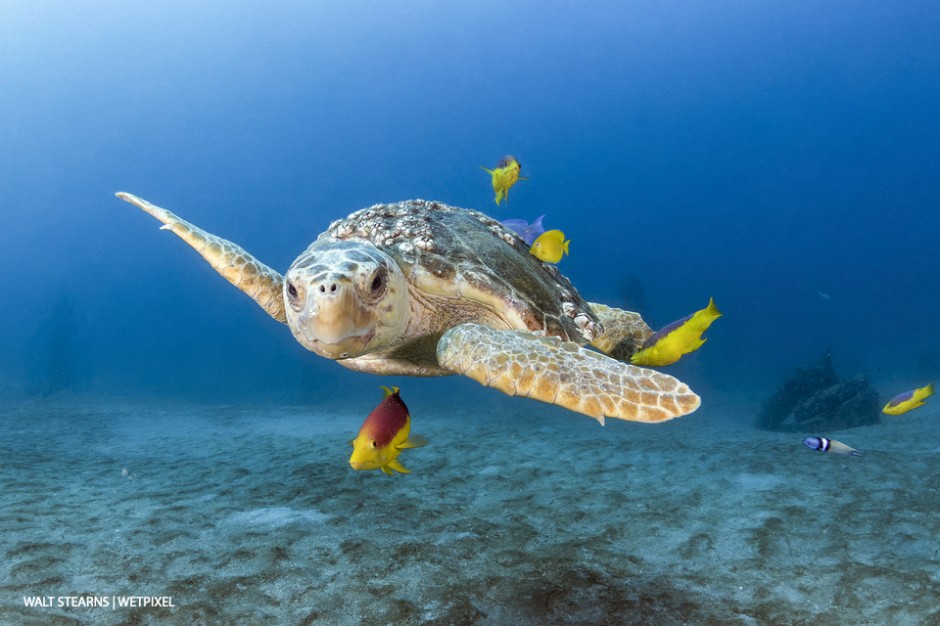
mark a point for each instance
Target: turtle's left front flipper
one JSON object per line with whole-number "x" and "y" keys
{"x": 258, "y": 281}
{"x": 526, "y": 364}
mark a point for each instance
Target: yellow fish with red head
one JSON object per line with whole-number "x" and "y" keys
{"x": 668, "y": 344}
{"x": 504, "y": 176}
{"x": 904, "y": 402}
{"x": 384, "y": 435}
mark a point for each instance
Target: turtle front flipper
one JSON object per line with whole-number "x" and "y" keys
{"x": 522, "y": 363}
{"x": 261, "y": 283}
{"x": 624, "y": 331}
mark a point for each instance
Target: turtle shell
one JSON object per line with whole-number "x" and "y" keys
{"x": 466, "y": 260}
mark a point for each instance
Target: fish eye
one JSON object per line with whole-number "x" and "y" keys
{"x": 374, "y": 444}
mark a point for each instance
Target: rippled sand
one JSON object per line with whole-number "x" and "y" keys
{"x": 533, "y": 516}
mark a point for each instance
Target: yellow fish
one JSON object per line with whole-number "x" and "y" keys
{"x": 505, "y": 176}
{"x": 908, "y": 400}
{"x": 384, "y": 435}
{"x": 681, "y": 337}
{"x": 550, "y": 246}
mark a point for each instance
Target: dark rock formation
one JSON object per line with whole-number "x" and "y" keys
{"x": 814, "y": 399}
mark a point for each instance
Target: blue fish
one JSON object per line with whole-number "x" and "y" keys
{"x": 830, "y": 445}
{"x": 529, "y": 232}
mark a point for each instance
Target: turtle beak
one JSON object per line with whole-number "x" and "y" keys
{"x": 334, "y": 323}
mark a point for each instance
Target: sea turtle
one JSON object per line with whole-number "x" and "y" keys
{"x": 421, "y": 288}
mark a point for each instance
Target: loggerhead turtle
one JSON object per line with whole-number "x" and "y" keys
{"x": 421, "y": 288}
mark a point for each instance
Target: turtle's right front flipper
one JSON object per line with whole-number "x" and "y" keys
{"x": 261, "y": 283}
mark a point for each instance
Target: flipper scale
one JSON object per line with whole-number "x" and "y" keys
{"x": 521, "y": 363}
{"x": 258, "y": 281}
{"x": 624, "y": 331}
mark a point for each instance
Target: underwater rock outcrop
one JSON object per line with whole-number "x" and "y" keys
{"x": 814, "y": 398}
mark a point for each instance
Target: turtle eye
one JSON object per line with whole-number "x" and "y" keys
{"x": 378, "y": 282}
{"x": 293, "y": 296}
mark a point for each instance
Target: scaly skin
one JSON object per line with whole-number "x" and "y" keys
{"x": 258, "y": 281}
{"x": 624, "y": 331}
{"x": 548, "y": 369}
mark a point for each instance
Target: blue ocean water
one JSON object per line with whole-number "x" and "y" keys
{"x": 781, "y": 157}
{"x": 760, "y": 154}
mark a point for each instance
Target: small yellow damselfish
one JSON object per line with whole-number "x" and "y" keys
{"x": 902, "y": 403}
{"x": 384, "y": 435}
{"x": 505, "y": 176}
{"x": 667, "y": 345}
{"x": 550, "y": 246}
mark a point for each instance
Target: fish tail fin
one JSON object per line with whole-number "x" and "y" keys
{"x": 564, "y": 246}
{"x": 389, "y": 391}
{"x": 501, "y": 195}
{"x": 397, "y": 466}
{"x": 414, "y": 441}
{"x": 711, "y": 309}
{"x": 924, "y": 392}
{"x": 852, "y": 451}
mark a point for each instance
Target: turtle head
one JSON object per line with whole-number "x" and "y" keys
{"x": 345, "y": 299}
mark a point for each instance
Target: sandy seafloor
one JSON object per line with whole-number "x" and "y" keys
{"x": 514, "y": 514}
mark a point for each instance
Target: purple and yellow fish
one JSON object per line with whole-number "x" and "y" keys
{"x": 668, "y": 344}
{"x": 528, "y": 232}
{"x": 504, "y": 176}
{"x": 902, "y": 403}
{"x": 830, "y": 445}
{"x": 384, "y": 435}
